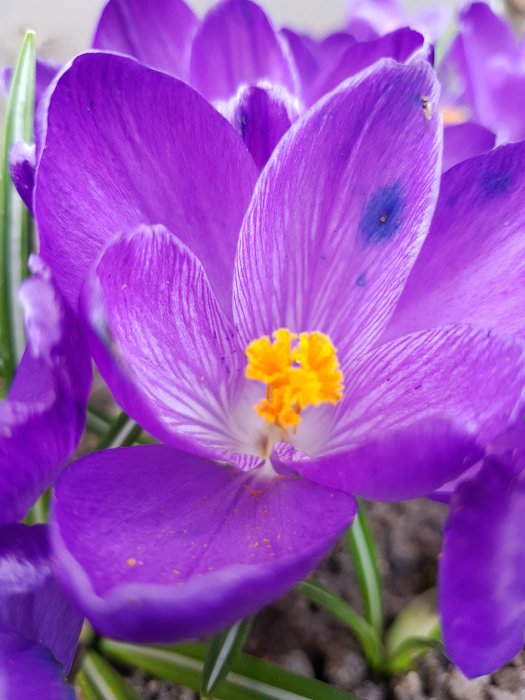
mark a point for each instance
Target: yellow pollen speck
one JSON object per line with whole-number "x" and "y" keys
{"x": 132, "y": 562}
{"x": 454, "y": 115}
{"x": 298, "y": 370}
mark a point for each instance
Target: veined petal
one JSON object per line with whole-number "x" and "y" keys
{"x": 481, "y": 584}
{"x": 156, "y": 32}
{"x": 471, "y": 268}
{"x": 399, "y": 45}
{"x": 415, "y": 411}
{"x": 125, "y": 146}
{"x": 236, "y": 45}
{"x": 43, "y": 418}
{"x": 161, "y": 342}
{"x": 200, "y": 544}
{"x": 341, "y": 210}
{"x": 463, "y": 141}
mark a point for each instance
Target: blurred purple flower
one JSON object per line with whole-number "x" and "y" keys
{"x": 217, "y": 520}
{"x": 41, "y": 422}
{"x": 483, "y": 74}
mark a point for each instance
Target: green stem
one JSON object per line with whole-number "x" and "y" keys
{"x": 364, "y": 553}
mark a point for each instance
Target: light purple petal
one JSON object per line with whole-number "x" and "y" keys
{"x": 471, "y": 268}
{"x": 43, "y": 418}
{"x": 399, "y": 45}
{"x": 236, "y": 45}
{"x": 341, "y": 210}
{"x": 464, "y": 141}
{"x": 262, "y": 115}
{"x": 200, "y": 545}
{"x": 22, "y": 164}
{"x": 158, "y": 33}
{"x": 369, "y": 18}
{"x": 33, "y": 605}
{"x": 413, "y": 410}
{"x": 481, "y": 583}
{"x": 125, "y": 146}
{"x": 161, "y": 342}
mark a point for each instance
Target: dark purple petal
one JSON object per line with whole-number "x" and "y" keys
{"x": 156, "y": 32}
{"x": 414, "y": 409}
{"x": 262, "y": 115}
{"x": 161, "y": 342}
{"x": 199, "y": 544}
{"x": 341, "y": 210}
{"x": 22, "y": 167}
{"x": 464, "y": 141}
{"x": 43, "y": 418}
{"x": 28, "y": 670}
{"x": 471, "y": 268}
{"x": 399, "y": 45}
{"x": 125, "y": 146}
{"x": 33, "y": 607}
{"x": 236, "y": 45}
{"x": 481, "y": 583}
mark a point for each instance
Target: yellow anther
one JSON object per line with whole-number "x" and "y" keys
{"x": 299, "y": 371}
{"x": 454, "y": 115}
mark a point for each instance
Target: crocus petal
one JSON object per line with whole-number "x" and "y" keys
{"x": 399, "y": 45}
{"x": 33, "y": 605}
{"x": 200, "y": 544}
{"x": 481, "y": 584}
{"x": 156, "y": 32}
{"x": 471, "y": 268}
{"x": 463, "y": 141}
{"x": 262, "y": 114}
{"x": 43, "y": 418}
{"x": 28, "y": 670}
{"x": 126, "y": 145}
{"x": 236, "y": 45}
{"x": 341, "y": 210}
{"x": 413, "y": 409}
{"x": 22, "y": 167}
{"x": 161, "y": 341}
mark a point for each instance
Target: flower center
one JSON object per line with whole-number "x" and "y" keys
{"x": 298, "y": 370}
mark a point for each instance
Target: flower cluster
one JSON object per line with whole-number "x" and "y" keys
{"x": 304, "y": 290}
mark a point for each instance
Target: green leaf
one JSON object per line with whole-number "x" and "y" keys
{"x": 84, "y": 685}
{"x": 122, "y": 431}
{"x": 249, "y": 678}
{"x": 415, "y": 630}
{"x": 15, "y": 221}
{"x": 104, "y": 679}
{"x": 364, "y": 553}
{"x": 368, "y": 638}
{"x": 222, "y": 652}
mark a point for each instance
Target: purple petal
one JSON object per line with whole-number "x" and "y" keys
{"x": 33, "y": 606}
{"x": 341, "y": 210}
{"x": 162, "y": 343}
{"x": 370, "y": 18}
{"x": 45, "y": 73}
{"x": 399, "y": 45}
{"x": 413, "y": 410}
{"x": 28, "y": 670}
{"x": 156, "y": 32}
{"x": 43, "y": 418}
{"x": 464, "y": 141}
{"x": 200, "y": 545}
{"x": 472, "y": 266}
{"x": 125, "y": 146}
{"x": 481, "y": 584}
{"x": 236, "y": 45}
{"x": 22, "y": 167}
{"x": 262, "y": 115}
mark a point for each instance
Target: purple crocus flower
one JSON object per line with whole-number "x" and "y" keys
{"x": 141, "y": 193}
{"x": 483, "y": 74}
{"x": 40, "y": 424}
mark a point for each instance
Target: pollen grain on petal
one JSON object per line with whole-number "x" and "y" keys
{"x": 299, "y": 371}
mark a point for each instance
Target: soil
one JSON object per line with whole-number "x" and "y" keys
{"x": 299, "y": 636}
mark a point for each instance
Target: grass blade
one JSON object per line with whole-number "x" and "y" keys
{"x": 15, "y": 220}
{"x": 105, "y": 680}
{"x": 222, "y": 652}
